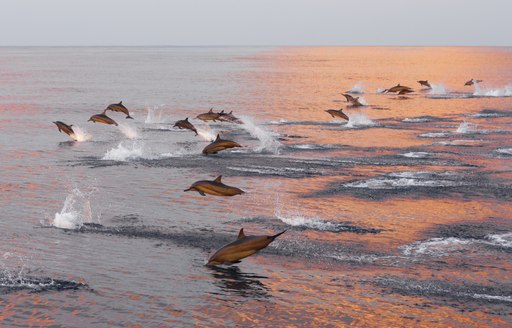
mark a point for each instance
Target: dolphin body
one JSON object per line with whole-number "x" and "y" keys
{"x": 215, "y": 187}
{"x": 472, "y": 81}
{"x": 353, "y": 101}
{"x": 229, "y": 117}
{"x": 241, "y": 248}
{"x": 209, "y": 116}
{"x": 219, "y": 145}
{"x": 67, "y": 129}
{"x": 397, "y": 88}
{"x": 119, "y": 108}
{"x": 337, "y": 113}
{"x": 424, "y": 83}
{"x": 405, "y": 91}
{"x": 102, "y": 118}
{"x": 185, "y": 124}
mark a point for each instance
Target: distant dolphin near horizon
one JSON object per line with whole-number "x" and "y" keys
{"x": 102, "y": 118}
{"x": 241, "y": 248}
{"x": 219, "y": 145}
{"x": 337, "y": 113}
{"x": 185, "y": 124}
{"x": 215, "y": 187}
{"x": 119, "y": 108}
{"x": 425, "y": 83}
{"x": 67, "y": 129}
{"x": 354, "y": 101}
{"x": 472, "y": 81}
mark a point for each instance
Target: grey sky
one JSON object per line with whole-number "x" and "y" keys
{"x": 257, "y": 22}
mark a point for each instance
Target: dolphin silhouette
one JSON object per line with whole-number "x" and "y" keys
{"x": 102, "y": 118}
{"x": 209, "y": 116}
{"x": 67, "y": 129}
{"x": 241, "y": 248}
{"x": 337, "y": 113}
{"x": 219, "y": 145}
{"x": 119, "y": 108}
{"x": 215, "y": 187}
{"x": 185, "y": 124}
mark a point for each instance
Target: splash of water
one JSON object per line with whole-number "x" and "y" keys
{"x": 129, "y": 131}
{"x": 206, "y": 132}
{"x": 357, "y": 89}
{"x": 466, "y": 127}
{"x": 125, "y": 151}
{"x": 358, "y": 119}
{"x": 437, "y": 89}
{"x": 267, "y": 139}
{"x": 154, "y": 115}
{"x": 75, "y": 212}
{"x": 81, "y": 134}
{"x": 500, "y": 92}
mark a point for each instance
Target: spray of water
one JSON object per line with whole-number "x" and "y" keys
{"x": 357, "y": 89}
{"x": 80, "y": 134}
{"x": 358, "y": 119}
{"x": 500, "y": 92}
{"x": 466, "y": 127}
{"x": 154, "y": 115}
{"x": 129, "y": 131}
{"x": 76, "y": 210}
{"x": 437, "y": 89}
{"x": 126, "y": 151}
{"x": 267, "y": 139}
{"x": 206, "y": 132}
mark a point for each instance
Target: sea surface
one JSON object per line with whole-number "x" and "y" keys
{"x": 399, "y": 217}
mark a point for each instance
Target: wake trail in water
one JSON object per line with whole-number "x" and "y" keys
{"x": 500, "y": 92}
{"x": 267, "y": 139}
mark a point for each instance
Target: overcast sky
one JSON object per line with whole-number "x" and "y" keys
{"x": 256, "y": 22}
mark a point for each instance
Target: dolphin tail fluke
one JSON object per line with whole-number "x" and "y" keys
{"x": 277, "y": 235}
{"x": 129, "y": 116}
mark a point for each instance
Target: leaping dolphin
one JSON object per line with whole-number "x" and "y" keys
{"x": 185, "y": 124}
{"x": 241, "y": 248}
{"x": 119, "y": 108}
{"x": 229, "y": 117}
{"x": 102, "y": 118}
{"x": 397, "y": 88}
{"x": 215, "y": 187}
{"x": 353, "y": 101}
{"x": 337, "y": 113}
{"x": 219, "y": 145}
{"x": 425, "y": 83}
{"x": 472, "y": 81}
{"x": 209, "y": 116}
{"x": 67, "y": 129}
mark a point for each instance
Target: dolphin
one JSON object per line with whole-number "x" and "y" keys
{"x": 185, "y": 124}
{"x": 405, "y": 91}
{"x": 424, "y": 83}
{"x": 209, "y": 116}
{"x": 67, "y": 129}
{"x": 215, "y": 187}
{"x": 472, "y": 81}
{"x": 229, "y": 117}
{"x": 102, "y": 118}
{"x": 241, "y": 248}
{"x": 337, "y": 113}
{"x": 119, "y": 108}
{"x": 353, "y": 101}
{"x": 218, "y": 145}
{"x": 397, "y": 88}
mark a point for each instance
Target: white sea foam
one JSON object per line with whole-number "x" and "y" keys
{"x": 500, "y": 92}
{"x": 129, "y": 131}
{"x": 75, "y": 212}
{"x": 278, "y": 122}
{"x": 458, "y": 142}
{"x": 206, "y": 132}
{"x": 81, "y": 134}
{"x": 398, "y": 180}
{"x": 416, "y": 154}
{"x": 505, "y": 151}
{"x": 434, "y": 135}
{"x": 312, "y": 223}
{"x": 126, "y": 151}
{"x": 267, "y": 139}
{"x": 417, "y": 120}
{"x": 437, "y": 89}
{"x": 357, "y": 89}
{"x": 357, "y": 120}
{"x": 466, "y": 127}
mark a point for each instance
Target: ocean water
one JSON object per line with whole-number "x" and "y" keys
{"x": 399, "y": 217}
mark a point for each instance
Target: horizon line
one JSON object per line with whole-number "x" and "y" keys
{"x": 249, "y": 45}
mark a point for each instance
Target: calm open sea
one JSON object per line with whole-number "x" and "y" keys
{"x": 399, "y": 217}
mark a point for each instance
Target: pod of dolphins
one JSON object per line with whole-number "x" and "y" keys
{"x": 243, "y": 246}
{"x": 400, "y": 90}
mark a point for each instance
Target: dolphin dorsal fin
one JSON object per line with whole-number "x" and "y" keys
{"x": 218, "y": 137}
{"x": 222, "y": 112}
{"x": 356, "y": 98}
{"x": 398, "y": 85}
{"x": 71, "y": 125}
{"x": 121, "y": 102}
{"x": 217, "y": 179}
{"x": 211, "y": 110}
{"x": 186, "y": 119}
{"x": 241, "y": 234}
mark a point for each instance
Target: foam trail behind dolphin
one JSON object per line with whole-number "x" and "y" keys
{"x": 129, "y": 131}
{"x": 359, "y": 119}
{"x": 268, "y": 139}
{"x": 81, "y": 134}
